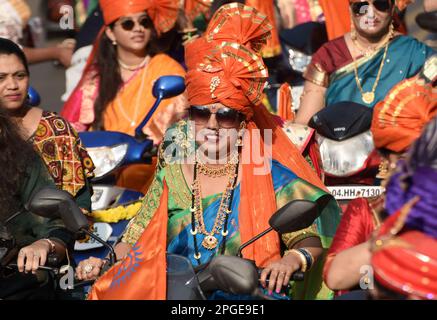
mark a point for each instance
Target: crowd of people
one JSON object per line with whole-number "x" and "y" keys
{"x": 225, "y": 164}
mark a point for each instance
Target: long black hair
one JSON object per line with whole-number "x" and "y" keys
{"x": 16, "y": 155}
{"x": 109, "y": 72}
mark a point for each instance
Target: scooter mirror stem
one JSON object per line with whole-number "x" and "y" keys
{"x": 139, "y": 129}
{"x": 240, "y": 253}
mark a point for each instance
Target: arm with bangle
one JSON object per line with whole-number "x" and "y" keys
{"x": 305, "y": 245}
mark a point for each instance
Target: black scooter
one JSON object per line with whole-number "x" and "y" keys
{"x": 232, "y": 274}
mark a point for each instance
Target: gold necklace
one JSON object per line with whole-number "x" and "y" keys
{"x": 217, "y": 172}
{"x": 210, "y": 241}
{"x": 369, "y": 96}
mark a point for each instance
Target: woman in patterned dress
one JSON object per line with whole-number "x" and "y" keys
{"x": 53, "y": 138}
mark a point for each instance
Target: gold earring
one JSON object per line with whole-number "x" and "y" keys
{"x": 392, "y": 30}
{"x": 239, "y": 142}
{"x": 383, "y": 170}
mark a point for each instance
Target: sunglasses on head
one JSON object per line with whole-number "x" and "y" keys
{"x": 361, "y": 8}
{"x": 225, "y": 117}
{"x": 129, "y": 24}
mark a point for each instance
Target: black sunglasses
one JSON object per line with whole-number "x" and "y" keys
{"x": 360, "y": 8}
{"x": 225, "y": 117}
{"x": 129, "y": 24}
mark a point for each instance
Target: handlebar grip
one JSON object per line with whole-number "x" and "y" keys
{"x": 298, "y": 276}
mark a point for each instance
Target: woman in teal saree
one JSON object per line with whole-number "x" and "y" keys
{"x": 363, "y": 65}
{"x": 222, "y": 174}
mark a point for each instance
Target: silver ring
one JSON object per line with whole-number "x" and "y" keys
{"x": 88, "y": 268}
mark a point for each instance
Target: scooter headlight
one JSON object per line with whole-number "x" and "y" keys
{"x": 345, "y": 158}
{"x": 106, "y": 159}
{"x": 298, "y": 60}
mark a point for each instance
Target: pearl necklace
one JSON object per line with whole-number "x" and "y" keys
{"x": 135, "y": 67}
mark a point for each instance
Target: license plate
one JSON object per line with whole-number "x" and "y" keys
{"x": 353, "y": 192}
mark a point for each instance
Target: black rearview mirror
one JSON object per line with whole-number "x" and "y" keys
{"x": 234, "y": 275}
{"x": 295, "y": 215}
{"x": 55, "y": 203}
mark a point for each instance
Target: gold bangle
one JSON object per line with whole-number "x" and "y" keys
{"x": 302, "y": 258}
{"x": 52, "y": 245}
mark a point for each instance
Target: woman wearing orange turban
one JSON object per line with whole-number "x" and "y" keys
{"x": 223, "y": 173}
{"x": 115, "y": 90}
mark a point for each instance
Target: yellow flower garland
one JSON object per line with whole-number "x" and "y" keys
{"x": 114, "y": 215}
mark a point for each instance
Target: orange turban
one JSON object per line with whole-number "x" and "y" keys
{"x": 405, "y": 263}
{"x": 230, "y": 71}
{"x": 194, "y": 8}
{"x": 399, "y": 119}
{"x": 162, "y": 12}
{"x": 234, "y": 76}
{"x": 224, "y": 67}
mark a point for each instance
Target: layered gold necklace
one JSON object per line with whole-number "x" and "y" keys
{"x": 230, "y": 169}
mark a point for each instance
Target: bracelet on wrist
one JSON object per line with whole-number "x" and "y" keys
{"x": 51, "y": 244}
{"x": 308, "y": 257}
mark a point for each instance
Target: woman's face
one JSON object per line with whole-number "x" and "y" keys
{"x": 132, "y": 33}
{"x": 14, "y": 82}
{"x": 216, "y": 129}
{"x": 372, "y": 18}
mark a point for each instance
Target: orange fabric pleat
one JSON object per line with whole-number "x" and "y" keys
{"x": 273, "y": 47}
{"x": 285, "y": 103}
{"x": 258, "y": 205}
{"x": 142, "y": 274}
{"x": 337, "y": 16}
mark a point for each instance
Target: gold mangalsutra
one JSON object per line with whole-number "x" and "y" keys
{"x": 369, "y": 96}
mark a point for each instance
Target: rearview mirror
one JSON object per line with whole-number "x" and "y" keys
{"x": 168, "y": 87}
{"x": 295, "y": 215}
{"x": 164, "y": 88}
{"x": 54, "y": 203}
{"x": 234, "y": 275}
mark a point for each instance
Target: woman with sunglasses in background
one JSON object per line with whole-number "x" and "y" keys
{"x": 363, "y": 65}
{"x": 397, "y": 122}
{"x": 115, "y": 92}
{"x": 218, "y": 195}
